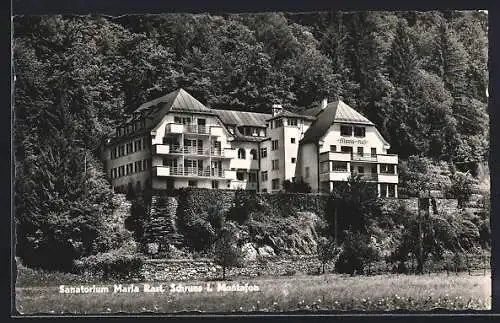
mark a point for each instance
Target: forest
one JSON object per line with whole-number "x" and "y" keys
{"x": 421, "y": 77}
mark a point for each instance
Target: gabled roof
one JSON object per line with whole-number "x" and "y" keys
{"x": 286, "y": 113}
{"x": 178, "y": 100}
{"x": 336, "y": 111}
{"x": 242, "y": 118}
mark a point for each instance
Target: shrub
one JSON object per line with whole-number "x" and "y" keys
{"x": 120, "y": 263}
{"x": 227, "y": 253}
{"x": 355, "y": 254}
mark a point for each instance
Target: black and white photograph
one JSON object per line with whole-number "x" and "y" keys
{"x": 251, "y": 163}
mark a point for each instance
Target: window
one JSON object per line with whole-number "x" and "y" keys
{"x": 361, "y": 170}
{"x": 129, "y": 168}
{"x": 121, "y": 150}
{"x": 392, "y": 190}
{"x": 293, "y": 160}
{"x": 136, "y": 168}
{"x": 130, "y": 148}
{"x": 346, "y": 131}
{"x": 264, "y": 190}
{"x": 307, "y": 172}
{"x": 292, "y": 140}
{"x": 275, "y": 144}
{"x": 383, "y": 190}
{"x": 374, "y": 169}
{"x": 240, "y": 176}
{"x": 215, "y": 184}
{"x": 252, "y": 177}
{"x": 325, "y": 167}
{"x": 241, "y": 153}
{"x": 339, "y": 166}
{"x": 387, "y": 169}
{"x": 115, "y": 173}
{"x": 292, "y": 122}
{"x": 121, "y": 171}
{"x": 186, "y": 120}
{"x": 360, "y": 151}
{"x": 145, "y": 164}
{"x": 333, "y": 148}
{"x": 276, "y": 184}
{"x": 192, "y": 183}
{"x": 346, "y": 149}
{"x": 144, "y": 141}
{"x": 374, "y": 151}
{"x": 253, "y": 153}
{"x": 275, "y": 164}
{"x": 263, "y": 176}
{"x": 278, "y": 123}
{"x": 359, "y": 131}
{"x": 263, "y": 152}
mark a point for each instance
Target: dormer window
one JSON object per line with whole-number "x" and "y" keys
{"x": 346, "y": 131}
{"x": 292, "y": 122}
{"x": 359, "y": 132}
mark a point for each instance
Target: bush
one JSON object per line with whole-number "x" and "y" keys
{"x": 355, "y": 254}
{"x": 116, "y": 264}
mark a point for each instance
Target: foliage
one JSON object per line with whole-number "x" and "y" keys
{"x": 227, "y": 253}
{"x": 419, "y": 176}
{"x": 421, "y": 77}
{"x": 327, "y": 251}
{"x": 356, "y": 254}
{"x": 351, "y": 206}
{"x": 461, "y": 187}
{"x": 116, "y": 264}
{"x": 299, "y": 186}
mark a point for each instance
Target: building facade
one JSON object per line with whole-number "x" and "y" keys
{"x": 175, "y": 141}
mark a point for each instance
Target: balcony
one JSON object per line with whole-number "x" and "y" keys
{"x": 369, "y": 177}
{"x": 196, "y": 129}
{"x": 189, "y": 172}
{"x": 174, "y": 128}
{"x": 162, "y": 170}
{"x": 364, "y": 157}
{"x": 193, "y": 150}
{"x": 387, "y": 159}
{"x": 336, "y": 156}
{"x": 246, "y": 163}
{"x": 388, "y": 178}
{"x": 338, "y": 176}
{"x": 161, "y": 149}
{"x": 355, "y": 157}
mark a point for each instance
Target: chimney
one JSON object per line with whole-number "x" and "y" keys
{"x": 277, "y": 109}
{"x": 324, "y": 103}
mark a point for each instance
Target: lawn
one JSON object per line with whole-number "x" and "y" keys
{"x": 275, "y": 294}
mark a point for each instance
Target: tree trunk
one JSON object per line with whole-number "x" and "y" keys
{"x": 420, "y": 260}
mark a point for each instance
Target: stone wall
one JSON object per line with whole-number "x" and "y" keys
{"x": 205, "y": 269}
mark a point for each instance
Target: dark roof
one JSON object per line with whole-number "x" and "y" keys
{"x": 242, "y": 118}
{"x": 178, "y": 100}
{"x": 286, "y": 113}
{"x": 336, "y": 111}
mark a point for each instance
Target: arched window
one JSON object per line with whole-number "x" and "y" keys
{"x": 253, "y": 152}
{"x": 241, "y": 153}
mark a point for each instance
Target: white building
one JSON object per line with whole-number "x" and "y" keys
{"x": 175, "y": 141}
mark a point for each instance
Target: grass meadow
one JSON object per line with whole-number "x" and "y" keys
{"x": 329, "y": 292}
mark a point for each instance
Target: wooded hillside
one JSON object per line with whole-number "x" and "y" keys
{"x": 421, "y": 77}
